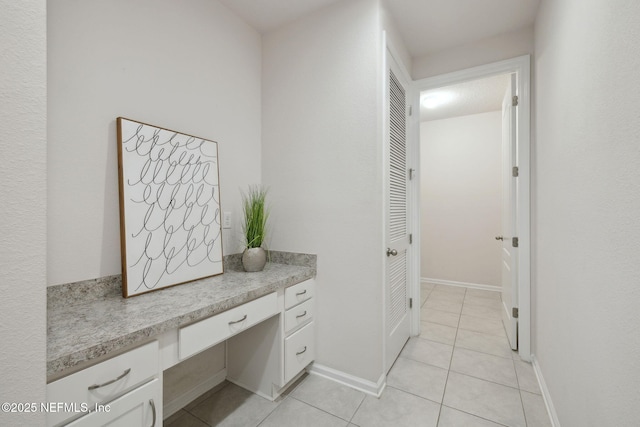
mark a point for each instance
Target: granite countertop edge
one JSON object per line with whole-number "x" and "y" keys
{"x": 103, "y": 305}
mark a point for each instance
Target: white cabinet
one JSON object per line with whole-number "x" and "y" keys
{"x": 140, "y": 407}
{"x": 298, "y": 315}
{"x": 105, "y": 383}
{"x": 296, "y": 294}
{"x": 215, "y": 329}
{"x": 299, "y": 344}
{"x": 267, "y": 357}
{"x": 299, "y": 351}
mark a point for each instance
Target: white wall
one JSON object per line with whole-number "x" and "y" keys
{"x": 23, "y": 151}
{"x": 190, "y": 66}
{"x": 460, "y": 202}
{"x": 322, "y": 160}
{"x": 394, "y": 39}
{"x": 481, "y": 52}
{"x": 587, "y": 197}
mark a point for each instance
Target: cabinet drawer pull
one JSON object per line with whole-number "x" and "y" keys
{"x": 301, "y": 293}
{"x": 153, "y": 412}
{"x": 300, "y": 352}
{"x": 301, "y": 315}
{"x": 124, "y": 374}
{"x": 238, "y": 321}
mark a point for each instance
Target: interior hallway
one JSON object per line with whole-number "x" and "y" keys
{"x": 459, "y": 372}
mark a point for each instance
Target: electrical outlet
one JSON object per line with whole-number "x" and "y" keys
{"x": 226, "y": 220}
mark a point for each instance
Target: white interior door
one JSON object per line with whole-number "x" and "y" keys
{"x": 509, "y": 224}
{"x": 397, "y": 295}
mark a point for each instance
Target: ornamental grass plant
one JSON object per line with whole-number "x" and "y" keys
{"x": 255, "y": 214}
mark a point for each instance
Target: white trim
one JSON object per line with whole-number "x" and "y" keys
{"x": 382, "y": 97}
{"x": 360, "y": 384}
{"x": 551, "y": 410}
{"x": 193, "y": 393}
{"x": 522, "y": 67}
{"x": 492, "y": 288}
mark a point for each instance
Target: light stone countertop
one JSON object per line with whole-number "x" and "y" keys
{"x": 89, "y": 320}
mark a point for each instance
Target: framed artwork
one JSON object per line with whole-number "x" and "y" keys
{"x": 170, "y": 230}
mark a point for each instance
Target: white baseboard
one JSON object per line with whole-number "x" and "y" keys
{"x": 360, "y": 384}
{"x": 551, "y": 410}
{"x": 493, "y": 288}
{"x": 196, "y": 391}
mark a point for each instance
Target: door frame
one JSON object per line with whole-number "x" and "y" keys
{"x": 521, "y": 66}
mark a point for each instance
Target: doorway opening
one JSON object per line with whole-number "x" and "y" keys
{"x": 473, "y": 189}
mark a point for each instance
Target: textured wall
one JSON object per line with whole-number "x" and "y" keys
{"x": 322, "y": 160}
{"x": 23, "y": 151}
{"x": 587, "y": 198}
{"x": 190, "y": 66}
{"x": 461, "y": 197}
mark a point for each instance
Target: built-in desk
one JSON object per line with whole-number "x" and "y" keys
{"x": 95, "y": 336}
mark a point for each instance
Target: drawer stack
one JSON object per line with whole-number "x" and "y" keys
{"x": 299, "y": 343}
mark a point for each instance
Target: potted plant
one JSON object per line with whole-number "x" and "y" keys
{"x": 254, "y": 228}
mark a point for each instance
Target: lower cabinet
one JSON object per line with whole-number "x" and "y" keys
{"x": 115, "y": 392}
{"x": 299, "y": 351}
{"x": 140, "y": 407}
{"x": 264, "y": 359}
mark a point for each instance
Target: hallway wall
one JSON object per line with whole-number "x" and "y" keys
{"x": 480, "y": 52}
{"x": 321, "y": 157}
{"x": 190, "y": 66}
{"x": 586, "y": 209}
{"x": 23, "y": 155}
{"x": 460, "y": 200}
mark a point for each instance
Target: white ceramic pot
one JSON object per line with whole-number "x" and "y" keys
{"x": 254, "y": 259}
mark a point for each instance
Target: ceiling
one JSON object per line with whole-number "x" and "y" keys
{"x": 427, "y": 26}
{"x": 474, "y": 97}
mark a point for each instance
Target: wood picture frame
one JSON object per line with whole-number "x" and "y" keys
{"x": 170, "y": 227}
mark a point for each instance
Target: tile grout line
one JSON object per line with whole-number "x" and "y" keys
{"x": 524, "y": 414}
{"x": 477, "y": 416}
{"x": 272, "y": 411}
{"x": 446, "y": 381}
{"x": 357, "y": 409}
{"x": 415, "y": 395}
{"x": 286, "y": 396}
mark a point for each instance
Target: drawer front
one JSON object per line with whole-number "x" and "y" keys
{"x": 298, "y": 293}
{"x": 205, "y": 333}
{"x": 140, "y": 407}
{"x": 299, "y": 315}
{"x": 102, "y": 382}
{"x": 299, "y": 351}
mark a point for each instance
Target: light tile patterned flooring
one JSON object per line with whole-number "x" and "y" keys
{"x": 460, "y": 372}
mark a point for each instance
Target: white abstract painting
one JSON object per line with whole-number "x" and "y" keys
{"x": 169, "y": 207}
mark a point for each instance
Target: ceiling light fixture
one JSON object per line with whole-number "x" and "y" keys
{"x": 435, "y": 99}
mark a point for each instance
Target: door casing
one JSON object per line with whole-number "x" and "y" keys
{"x": 521, "y": 66}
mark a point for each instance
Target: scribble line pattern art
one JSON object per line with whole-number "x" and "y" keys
{"x": 169, "y": 207}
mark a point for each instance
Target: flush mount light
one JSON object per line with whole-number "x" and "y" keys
{"x": 433, "y": 100}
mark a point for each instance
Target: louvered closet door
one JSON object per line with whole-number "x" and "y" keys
{"x": 397, "y": 297}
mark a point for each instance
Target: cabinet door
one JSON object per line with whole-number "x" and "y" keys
{"x": 140, "y": 407}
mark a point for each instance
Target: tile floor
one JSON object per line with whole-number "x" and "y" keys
{"x": 460, "y": 372}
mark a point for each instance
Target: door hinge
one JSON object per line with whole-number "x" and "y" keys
{"x": 514, "y": 242}
{"x": 411, "y": 173}
{"x": 410, "y": 302}
{"x": 514, "y": 312}
{"x": 515, "y": 172}
{"x": 410, "y": 110}
{"x": 514, "y": 101}
{"x": 410, "y": 239}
